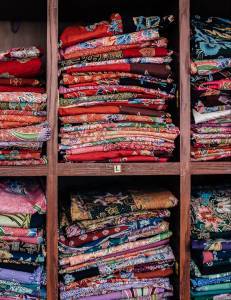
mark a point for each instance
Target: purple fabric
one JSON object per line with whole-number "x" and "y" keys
{"x": 22, "y": 277}
{"x": 203, "y": 245}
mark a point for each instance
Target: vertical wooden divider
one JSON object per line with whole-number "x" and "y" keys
{"x": 52, "y": 179}
{"x": 185, "y": 172}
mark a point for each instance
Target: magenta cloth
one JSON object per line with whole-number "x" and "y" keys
{"x": 21, "y": 196}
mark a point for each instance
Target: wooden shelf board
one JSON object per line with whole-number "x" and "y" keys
{"x": 209, "y": 168}
{"x": 111, "y": 169}
{"x": 24, "y": 171}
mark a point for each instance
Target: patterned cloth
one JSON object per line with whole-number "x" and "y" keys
{"x": 211, "y": 77}
{"x": 116, "y": 71}
{"x": 22, "y": 255}
{"x": 116, "y": 241}
{"x": 211, "y": 247}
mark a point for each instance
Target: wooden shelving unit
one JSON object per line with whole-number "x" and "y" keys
{"x": 183, "y": 168}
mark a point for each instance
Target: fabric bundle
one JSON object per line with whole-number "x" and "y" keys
{"x": 211, "y": 88}
{"x": 115, "y": 86}
{"x": 23, "y": 100}
{"x": 211, "y": 243}
{"x": 22, "y": 255}
{"x": 114, "y": 244}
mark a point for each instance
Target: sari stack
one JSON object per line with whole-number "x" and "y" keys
{"x": 115, "y": 86}
{"x": 23, "y": 117}
{"x": 211, "y": 243}
{"x": 115, "y": 244}
{"x": 22, "y": 255}
{"x": 211, "y": 88}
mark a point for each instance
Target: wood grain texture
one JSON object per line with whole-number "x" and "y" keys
{"x": 209, "y": 168}
{"x": 185, "y": 182}
{"x": 52, "y": 180}
{"x": 24, "y": 171}
{"x": 111, "y": 169}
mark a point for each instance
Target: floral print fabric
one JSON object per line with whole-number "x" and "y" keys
{"x": 113, "y": 242}
{"x": 211, "y": 247}
{"x": 23, "y": 101}
{"x": 22, "y": 252}
{"x": 211, "y": 77}
{"x": 116, "y": 71}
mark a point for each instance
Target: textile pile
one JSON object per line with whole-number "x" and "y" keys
{"x": 211, "y": 243}
{"x": 115, "y": 245}
{"x": 22, "y": 255}
{"x": 115, "y": 86}
{"x": 23, "y": 117}
{"x": 211, "y": 88}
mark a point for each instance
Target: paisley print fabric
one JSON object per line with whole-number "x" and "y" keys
{"x": 22, "y": 242}
{"x": 23, "y": 98}
{"x": 210, "y": 80}
{"x": 211, "y": 247}
{"x": 115, "y": 241}
{"x": 116, "y": 71}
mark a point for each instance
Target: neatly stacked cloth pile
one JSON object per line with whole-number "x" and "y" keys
{"x": 23, "y": 125}
{"x": 22, "y": 218}
{"x": 115, "y": 245}
{"x": 211, "y": 243}
{"x": 211, "y": 88}
{"x": 115, "y": 85}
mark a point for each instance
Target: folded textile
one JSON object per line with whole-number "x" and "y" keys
{"x": 106, "y": 245}
{"x": 22, "y": 255}
{"x": 210, "y": 265}
{"x": 23, "y": 99}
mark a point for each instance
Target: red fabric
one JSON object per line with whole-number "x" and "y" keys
{"x": 17, "y": 112}
{"x": 21, "y": 68}
{"x": 158, "y": 52}
{"x": 108, "y": 109}
{"x": 96, "y": 156}
{"x": 94, "y": 109}
{"x": 101, "y": 68}
{"x": 77, "y": 241}
{"x": 5, "y": 88}
{"x": 162, "y": 42}
{"x": 76, "y": 33}
{"x": 122, "y": 102}
{"x": 7, "y": 125}
{"x": 154, "y": 274}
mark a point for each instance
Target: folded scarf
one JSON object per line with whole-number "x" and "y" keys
{"x": 120, "y": 54}
{"x": 72, "y": 52}
{"x": 21, "y": 53}
{"x": 36, "y": 133}
{"x": 28, "y": 68}
{"x": 23, "y": 97}
{"x": 91, "y": 205}
{"x": 205, "y": 67}
{"x": 78, "y": 33}
{"x": 158, "y": 70}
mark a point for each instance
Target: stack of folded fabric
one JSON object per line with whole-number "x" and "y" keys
{"x": 115, "y": 245}
{"x": 211, "y": 88}
{"x": 211, "y": 243}
{"x": 22, "y": 217}
{"x": 23, "y": 125}
{"x": 115, "y": 85}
